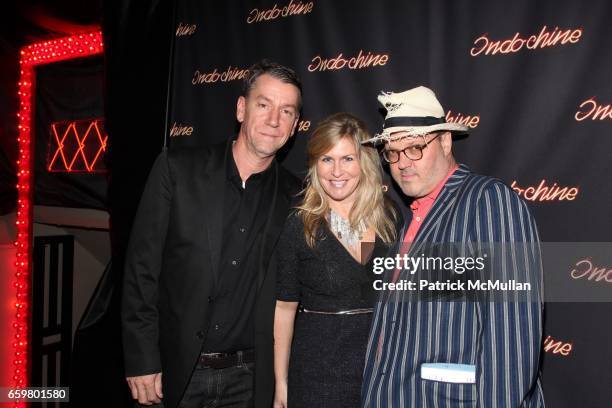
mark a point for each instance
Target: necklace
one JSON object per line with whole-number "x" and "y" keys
{"x": 344, "y": 232}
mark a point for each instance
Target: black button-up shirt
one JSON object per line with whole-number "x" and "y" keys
{"x": 245, "y": 210}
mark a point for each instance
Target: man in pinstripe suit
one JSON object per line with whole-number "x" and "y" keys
{"x": 484, "y": 351}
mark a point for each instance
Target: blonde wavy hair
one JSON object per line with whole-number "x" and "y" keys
{"x": 371, "y": 206}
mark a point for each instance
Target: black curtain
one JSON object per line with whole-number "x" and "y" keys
{"x": 137, "y": 43}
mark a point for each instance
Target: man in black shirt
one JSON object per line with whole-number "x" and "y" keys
{"x": 198, "y": 297}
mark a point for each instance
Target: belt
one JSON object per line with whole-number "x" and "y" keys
{"x": 225, "y": 360}
{"x": 340, "y": 312}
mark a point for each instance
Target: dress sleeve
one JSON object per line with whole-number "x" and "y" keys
{"x": 288, "y": 288}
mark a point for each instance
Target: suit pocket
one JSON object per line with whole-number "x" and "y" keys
{"x": 459, "y": 395}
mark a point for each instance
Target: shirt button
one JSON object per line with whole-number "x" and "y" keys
{"x": 234, "y": 262}
{"x": 216, "y": 327}
{"x": 418, "y": 218}
{"x": 242, "y": 229}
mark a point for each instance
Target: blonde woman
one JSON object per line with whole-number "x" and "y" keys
{"x": 324, "y": 292}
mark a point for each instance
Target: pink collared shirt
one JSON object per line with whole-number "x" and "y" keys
{"x": 420, "y": 207}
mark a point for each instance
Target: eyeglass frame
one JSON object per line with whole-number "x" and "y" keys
{"x": 419, "y": 147}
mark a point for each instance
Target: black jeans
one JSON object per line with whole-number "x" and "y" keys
{"x": 230, "y": 387}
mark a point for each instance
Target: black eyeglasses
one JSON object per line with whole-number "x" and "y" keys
{"x": 414, "y": 152}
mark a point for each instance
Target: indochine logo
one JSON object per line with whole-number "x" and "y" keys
{"x": 185, "y": 30}
{"x": 546, "y": 38}
{"x": 303, "y": 126}
{"x": 470, "y": 121}
{"x": 77, "y": 146}
{"x": 545, "y": 191}
{"x": 291, "y": 9}
{"x": 587, "y": 270}
{"x": 591, "y": 109}
{"x": 230, "y": 74}
{"x": 559, "y": 347}
{"x": 179, "y": 129}
{"x": 360, "y": 61}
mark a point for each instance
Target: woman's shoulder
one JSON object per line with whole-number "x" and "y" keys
{"x": 293, "y": 232}
{"x": 294, "y": 222}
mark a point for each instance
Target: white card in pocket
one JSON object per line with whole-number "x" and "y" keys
{"x": 448, "y": 372}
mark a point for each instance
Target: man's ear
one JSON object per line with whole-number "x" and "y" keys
{"x": 240, "y": 108}
{"x": 446, "y": 140}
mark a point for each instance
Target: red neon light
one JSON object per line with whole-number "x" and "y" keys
{"x": 71, "y": 142}
{"x": 45, "y": 52}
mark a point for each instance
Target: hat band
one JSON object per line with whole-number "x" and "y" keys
{"x": 409, "y": 121}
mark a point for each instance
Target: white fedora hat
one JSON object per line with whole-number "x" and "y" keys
{"x": 413, "y": 112}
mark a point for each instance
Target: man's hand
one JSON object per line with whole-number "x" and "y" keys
{"x": 147, "y": 389}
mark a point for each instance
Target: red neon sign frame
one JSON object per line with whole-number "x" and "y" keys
{"x": 31, "y": 56}
{"x": 82, "y": 136}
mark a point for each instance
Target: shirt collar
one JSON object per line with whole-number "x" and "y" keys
{"x": 431, "y": 197}
{"x": 233, "y": 174}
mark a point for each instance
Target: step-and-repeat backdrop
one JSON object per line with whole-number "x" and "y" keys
{"x": 531, "y": 79}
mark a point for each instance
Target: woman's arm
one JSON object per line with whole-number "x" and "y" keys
{"x": 284, "y": 318}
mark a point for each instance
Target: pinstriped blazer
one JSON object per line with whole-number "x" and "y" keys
{"x": 502, "y": 339}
